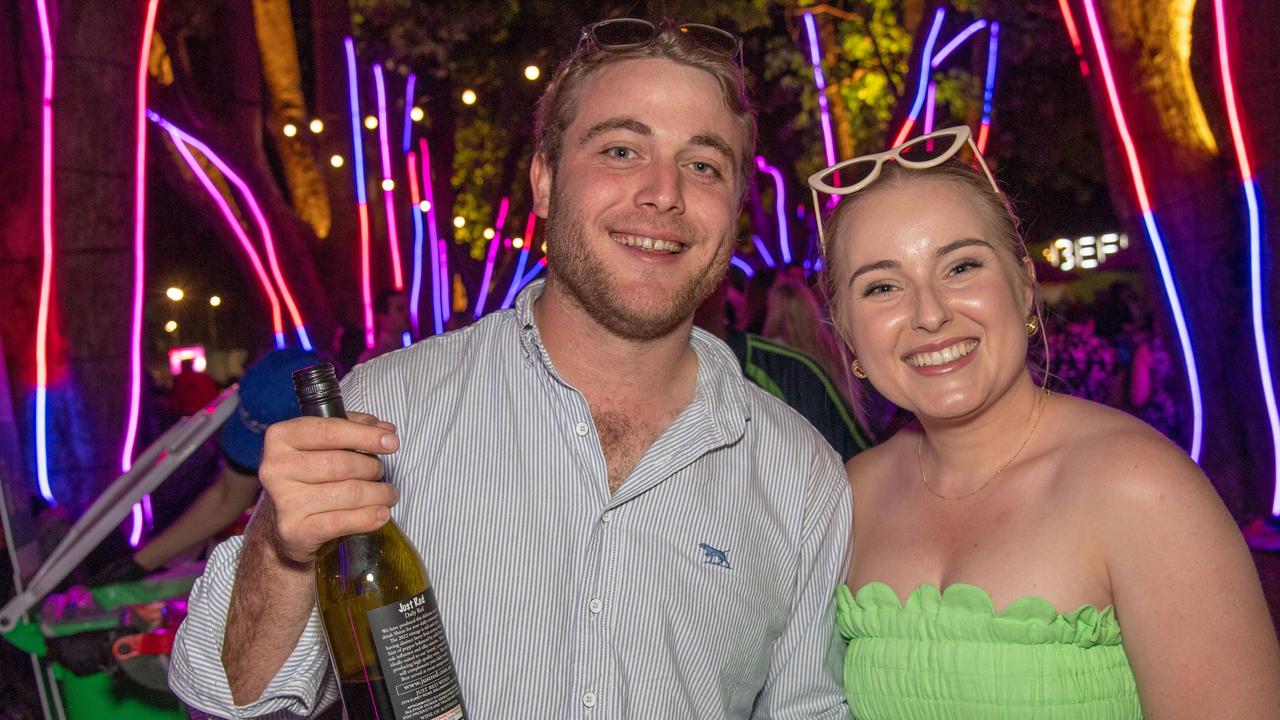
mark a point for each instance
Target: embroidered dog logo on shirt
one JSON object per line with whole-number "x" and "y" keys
{"x": 715, "y": 556}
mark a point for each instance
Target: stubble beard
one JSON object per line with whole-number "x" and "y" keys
{"x": 575, "y": 267}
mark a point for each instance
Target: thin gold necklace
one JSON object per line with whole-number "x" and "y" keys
{"x": 924, "y": 479}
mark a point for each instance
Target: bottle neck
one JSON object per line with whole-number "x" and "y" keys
{"x": 329, "y": 407}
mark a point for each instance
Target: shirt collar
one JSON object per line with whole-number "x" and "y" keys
{"x": 720, "y": 382}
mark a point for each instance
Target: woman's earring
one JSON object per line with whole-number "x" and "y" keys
{"x": 1032, "y": 325}
{"x": 858, "y": 372}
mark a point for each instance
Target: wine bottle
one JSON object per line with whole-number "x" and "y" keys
{"x": 379, "y": 612}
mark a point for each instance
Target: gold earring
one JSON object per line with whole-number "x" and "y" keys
{"x": 1032, "y": 325}
{"x": 858, "y": 372}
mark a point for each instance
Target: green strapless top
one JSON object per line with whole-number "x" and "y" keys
{"x": 951, "y": 655}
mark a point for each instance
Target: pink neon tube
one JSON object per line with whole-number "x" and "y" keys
{"x": 260, "y": 220}
{"x": 415, "y": 211}
{"x": 46, "y": 242}
{"x": 1256, "y": 290}
{"x": 388, "y": 196}
{"x": 233, "y": 222}
{"x": 139, "y": 257}
{"x": 1153, "y": 231}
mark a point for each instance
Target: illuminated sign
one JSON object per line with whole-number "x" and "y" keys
{"x": 1085, "y": 253}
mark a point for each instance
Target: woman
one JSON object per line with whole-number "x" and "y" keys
{"x": 794, "y": 317}
{"x": 1015, "y": 553}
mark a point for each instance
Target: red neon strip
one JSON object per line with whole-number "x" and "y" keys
{"x": 983, "y": 131}
{"x": 1130, "y": 150}
{"x": 139, "y": 236}
{"x": 366, "y": 292}
{"x": 1229, "y": 90}
{"x": 1070, "y": 20}
{"x": 904, "y": 132}
{"x": 413, "y": 177}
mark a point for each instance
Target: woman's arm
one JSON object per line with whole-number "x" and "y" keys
{"x": 1195, "y": 623}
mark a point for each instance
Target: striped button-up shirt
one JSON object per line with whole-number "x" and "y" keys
{"x": 701, "y": 588}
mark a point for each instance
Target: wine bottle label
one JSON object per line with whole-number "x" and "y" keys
{"x": 415, "y": 659}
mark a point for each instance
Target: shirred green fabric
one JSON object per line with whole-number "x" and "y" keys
{"x": 951, "y": 655}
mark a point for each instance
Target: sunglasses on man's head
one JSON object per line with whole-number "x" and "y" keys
{"x": 627, "y": 33}
{"x": 926, "y": 151}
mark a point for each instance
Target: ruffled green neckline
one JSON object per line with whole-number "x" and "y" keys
{"x": 966, "y": 612}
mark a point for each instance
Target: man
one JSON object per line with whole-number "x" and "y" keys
{"x": 790, "y": 375}
{"x": 616, "y": 523}
{"x": 390, "y": 323}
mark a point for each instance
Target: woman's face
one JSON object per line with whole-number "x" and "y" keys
{"x": 930, "y": 303}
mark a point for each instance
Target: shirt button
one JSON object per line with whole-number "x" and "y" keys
{"x": 595, "y": 606}
{"x": 589, "y": 699}
{"x": 607, "y": 517}
{"x": 580, "y": 428}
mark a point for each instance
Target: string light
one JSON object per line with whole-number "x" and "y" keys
{"x": 336, "y": 161}
{"x": 289, "y": 130}
{"x": 416, "y": 114}
{"x": 371, "y": 123}
{"x": 459, "y": 222}
{"x": 531, "y": 73}
{"x": 468, "y": 97}
{"x": 316, "y": 126}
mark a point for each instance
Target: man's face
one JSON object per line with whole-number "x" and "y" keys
{"x": 396, "y": 321}
{"x": 642, "y": 205}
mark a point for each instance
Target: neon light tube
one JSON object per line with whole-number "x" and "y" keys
{"x": 46, "y": 262}
{"x": 922, "y": 85}
{"x": 517, "y": 276}
{"x": 260, "y": 219}
{"x": 1153, "y": 231}
{"x": 408, "y": 110}
{"x": 780, "y": 205}
{"x": 530, "y": 226}
{"x": 1069, "y": 18}
{"x": 928, "y": 109}
{"x": 742, "y": 265}
{"x": 764, "y": 251}
{"x": 950, "y": 47}
{"x": 388, "y": 195}
{"x": 237, "y": 229}
{"x": 529, "y": 276}
{"x": 491, "y": 257}
{"x": 815, "y": 59}
{"x": 362, "y": 202}
{"x": 989, "y": 87}
{"x": 415, "y": 286}
{"x": 1256, "y": 289}
{"x": 432, "y": 233}
{"x": 139, "y": 251}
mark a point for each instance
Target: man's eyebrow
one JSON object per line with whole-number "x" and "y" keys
{"x": 965, "y": 242}
{"x": 717, "y": 143}
{"x": 878, "y": 265}
{"x": 620, "y": 123}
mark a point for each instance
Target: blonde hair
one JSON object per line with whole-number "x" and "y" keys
{"x": 995, "y": 207}
{"x": 795, "y": 318}
{"x": 559, "y": 102}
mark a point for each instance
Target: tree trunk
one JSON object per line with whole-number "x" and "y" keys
{"x": 1195, "y": 193}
